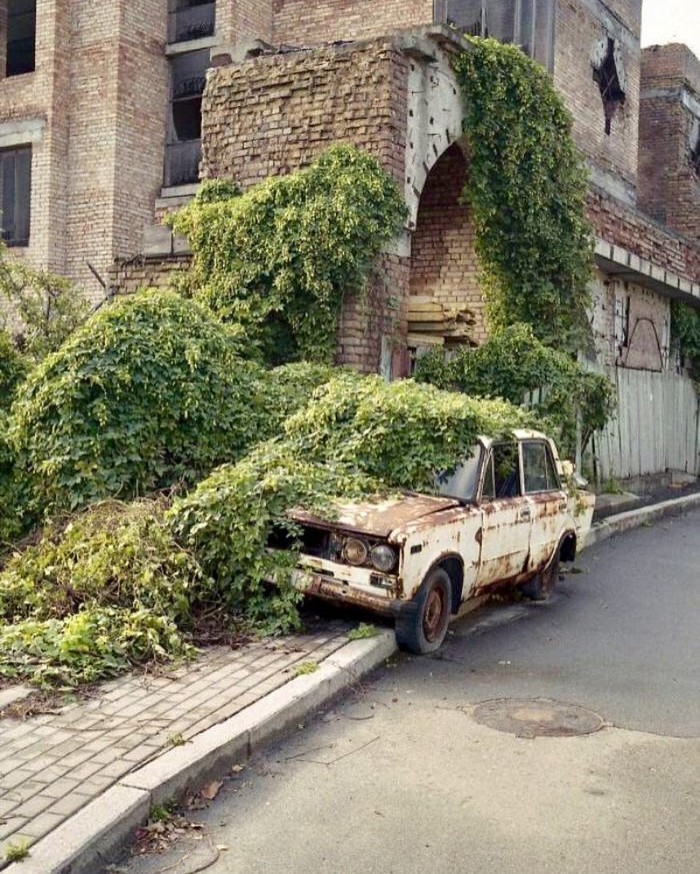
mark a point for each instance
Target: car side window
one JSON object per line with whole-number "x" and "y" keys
{"x": 506, "y": 470}
{"x": 488, "y": 489}
{"x": 539, "y": 473}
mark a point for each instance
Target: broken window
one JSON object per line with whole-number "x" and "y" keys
{"x": 191, "y": 19}
{"x": 21, "y": 37}
{"x": 184, "y": 148}
{"x": 15, "y": 194}
{"x": 608, "y": 79}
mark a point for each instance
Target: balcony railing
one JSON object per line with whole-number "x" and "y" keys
{"x": 191, "y": 20}
{"x": 182, "y": 163}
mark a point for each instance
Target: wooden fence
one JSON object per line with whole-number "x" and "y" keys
{"x": 656, "y": 427}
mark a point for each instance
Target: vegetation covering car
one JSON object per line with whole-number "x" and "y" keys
{"x": 503, "y": 518}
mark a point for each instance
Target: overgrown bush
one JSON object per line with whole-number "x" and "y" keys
{"x": 280, "y": 258}
{"x": 685, "y": 334}
{"x": 102, "y": 592}
{"x": 356, "y": 438}
{"x": 512, "y": 364}
{"x": 527, "y": 189}
{"x": 148, "y": 392}
{"x": 49, "y": 307}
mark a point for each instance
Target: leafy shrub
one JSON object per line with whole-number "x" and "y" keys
{"x": 109, "y": 589}
{"x": 14, "y": 368}
{"x": 289, "y": 388}
{"x": 685, "y": 333}
{"x": 279, "y": 258}
{"x": 148, "y": 392}
{"x": 49, "y": 307}
{"x": 527, "y": 188}
{"x": 356, "y": 438}
{"x": 513, "y": 363}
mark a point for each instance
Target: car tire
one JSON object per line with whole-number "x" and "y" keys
{"x": 424, "y": 630}
{"x": 541, "y": 586}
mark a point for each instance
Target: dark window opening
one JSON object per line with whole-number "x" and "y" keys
{"x": 21, "y": 37}
{"x": 506, "y": 469}
{"x": 695, "y": 155}
{"x": 611, "y": 91}
{"x": 15, "y": 195}
{"x": 191, "y": 19}
{"x": 184, "y": 147}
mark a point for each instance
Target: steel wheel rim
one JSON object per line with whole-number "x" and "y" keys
{"x": 433, "y": 614}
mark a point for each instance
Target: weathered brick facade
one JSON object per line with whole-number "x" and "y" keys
{"x": 302, "y": 24}
{"x": 669, "y": 148}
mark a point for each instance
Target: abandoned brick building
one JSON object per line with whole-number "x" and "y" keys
{"x": 111, "y": 112}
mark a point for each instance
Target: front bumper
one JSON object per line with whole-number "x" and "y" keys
{"x": 317, "y": 585}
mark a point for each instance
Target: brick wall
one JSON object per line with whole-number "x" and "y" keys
{"x": 634, "y": 231}
{"x": 129, "y": 276}
{"x": 669, "y": 185}
{"x": 275, "y": 114}
{"x": 300, "y": 23}
{"x": 239, "y": 20}
{"x": 581, "y": 28}
{"x": 443, "y": 261}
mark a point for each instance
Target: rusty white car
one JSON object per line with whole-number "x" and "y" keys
{"x": 503, "y": 518}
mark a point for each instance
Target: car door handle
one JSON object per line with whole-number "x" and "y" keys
{"x": 525, "y": 515}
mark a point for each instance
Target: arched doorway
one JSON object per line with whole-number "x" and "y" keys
{"x": 445, "y": 303}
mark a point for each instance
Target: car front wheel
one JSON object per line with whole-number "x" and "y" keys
{"x": 424, "y": 630}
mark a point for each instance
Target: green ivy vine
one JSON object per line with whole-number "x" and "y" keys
{"x": 685, "y": 333}
{"x": 527, "y": 190}
{"x": 280, "y": 258}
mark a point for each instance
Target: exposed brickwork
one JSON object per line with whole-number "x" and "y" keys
{"x": 302, "y": 24}
{"x": 443, "y": 261}
{"x": 634, "y": 231}
{"x": 242, "y": 20}
{"x": 578, "y": 32}
{"x": 669, "y": 185}
{"x": 128, "y": 277}
{"x": 275, "y": 114}
{"x": 101, "y": 87}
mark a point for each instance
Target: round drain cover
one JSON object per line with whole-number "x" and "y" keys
{"x": 537, "y": 717}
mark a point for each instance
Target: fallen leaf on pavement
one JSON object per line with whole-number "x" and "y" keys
{"x": 211, "y": 790}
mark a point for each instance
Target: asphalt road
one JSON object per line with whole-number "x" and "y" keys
{"x": 401, "y": 777}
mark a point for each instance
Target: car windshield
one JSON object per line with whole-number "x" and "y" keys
{"x": 463, "y": 482}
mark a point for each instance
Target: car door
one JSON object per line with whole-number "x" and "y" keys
{"x": 506, "y": 516}
{"x": 548, "y": 501}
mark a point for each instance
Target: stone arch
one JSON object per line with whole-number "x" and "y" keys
{"x": 446, "y": 300}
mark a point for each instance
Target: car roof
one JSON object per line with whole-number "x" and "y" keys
{"x": 519, "y": 434}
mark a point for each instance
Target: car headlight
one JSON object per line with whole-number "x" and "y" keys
{"x": 355, "y": 551}
{"x": 383, "y": 558}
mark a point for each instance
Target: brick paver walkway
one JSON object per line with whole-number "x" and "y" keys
{"x": 54, "y": 764}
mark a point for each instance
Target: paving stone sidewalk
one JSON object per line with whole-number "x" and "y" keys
{"x": 52, "y": 765}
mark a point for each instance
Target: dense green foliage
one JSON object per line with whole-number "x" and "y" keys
{"x": 685, "y": 333}
{"x": 513, "y": 364}
{"x": 148, "y": 392}
{"x": 280, "y": 258}
{"x": 357, "y": 437}
{"x": 108, "y": 590}
{"x": 14, "y": 368}
{"x": 48, "y": 306}
{"x": 527, "y": 190}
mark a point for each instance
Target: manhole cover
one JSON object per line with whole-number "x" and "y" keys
{"x": 537, "y": 717}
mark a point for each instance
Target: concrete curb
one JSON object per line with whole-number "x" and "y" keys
{"x": 634, "y": 518}
{"x": 79, "y": 844}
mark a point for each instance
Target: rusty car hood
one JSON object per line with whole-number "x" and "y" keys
{"x": 378, "y": 518}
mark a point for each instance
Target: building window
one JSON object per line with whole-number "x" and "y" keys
{"x": 526, "y": 23}
{"x": 695, "y": 153}
{"x": 188, "y": 73}
{"x": 191, "y": 19}
{"x": 21, "y": 37}
{"x": 605, "y": 73}
{"x": 15, "y": 194}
